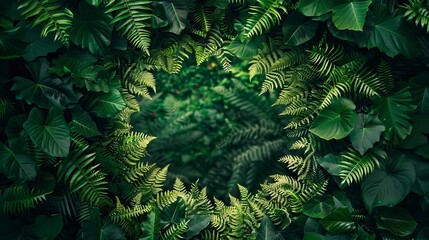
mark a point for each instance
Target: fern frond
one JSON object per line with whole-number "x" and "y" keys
{"x": 263, "y": 16}
{"x": 81, "y": 174}
{"x": 19, "y": 199}
{"x": 132, "y": 18}
{"x": 175, "y": 231}
{"x": 50, "y": 14}
{"x": 138, "y": 82}
{"x": 130, "y": 100}
{"x": 418, "y": 12}
{"x": 121, "y": 214}
{"x": 131, "y": 147}
{"x": 385, "y": 75}
{"x": 154, "y": 182}
{"x": 203, "y": 18}
{"x": 354, "y": 166}
{"x": 138, "y": 171}
{"x": 366, "y": 83}
{"x": 5, "y": 107}
{"x": 324, "y": 57}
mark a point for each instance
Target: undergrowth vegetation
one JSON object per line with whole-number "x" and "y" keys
{"x": 226, "y": 119}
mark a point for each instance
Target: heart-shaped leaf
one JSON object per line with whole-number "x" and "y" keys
{"x": 366, "y": 132}
{"x": 350, "y": 14}
{"x": 267, "y": 231}
{"x": 339, "y": 221}
{"x": 390, "y": 184}
{"x": 316, "y": 208}
{"x": 335, "y": 121}
{"x": 314, "y": 8}
{"x": 15, "y": 162}
{"x": 52, "y": 134}
{"x": 83, "y": 124}
{"x": 298, "y": 29}
{"x": 395, "y": 220}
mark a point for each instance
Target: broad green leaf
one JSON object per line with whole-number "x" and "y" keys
{"x": 83, "y": 124}
{"x": 363, "y": 235}
{"x": 366, "y": 132}
{"x": 298, "y": 29}
{"x": 314, "y": 8}
{"x": 339, "y": 221}
{"x": 330, "y": 164}
{"x": 196, "y": 224}
{"x": 91, "y": 28}
{"x": 313, "y": 225}
{"x": 108, "y": 104}
{"x": 15, "y": 162}
{"x": 313, "y": 236}
{"x": 350, "y": 14}
{"x": 173, "y": 213}
{"x": 318, "y": 208}
{"x": 341, "y": 200}
{"x": 176, "y": 12}
{"x": 10, "y": 47}
{"x": 391, "y": 35}
{"x": 48, "y": 227}
{"x": 246, "y": 49}
{"x": 419, "y": 88}
{"x": 335, "y": 121}
{"x": 395, "y": 220}
{"x": 14, "y": 125}
{"x": 51, "y": 134}
{"x": 267, "y": 230}
{"x": 358, "y": 37}
{"x": 45, "y": 91}
{"x": 395, "y": 112}
{"x": 390, "y": 184}
{"x": 94, "y": 228}
{"x": 41, "y": 47}
{"x": 151, "y": 226}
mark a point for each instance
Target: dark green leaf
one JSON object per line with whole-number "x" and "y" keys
{"x": 366, "y": 132}
{"x": 363, "y": 235}
{"x": 318, "y": 208}
{"x": 359, "y": 37}
{"x": 330, "y": 164}
{"x": 45, "y": 91}
{"x": 314, "y": 8}
{"x": 335, "y": 121}
{"x": 395, "y": 112}
{"x": 267, "y": 231}
{"x": 94, "y": 2}
{"x": 341, "y": 200}
{"x": 151, "y": 226}
{"x": 93, "y": 228}
{"x": 48, "y": 227}
{"x": 196, "y": 224}
{"x": 83, "y": 124}
{"x": 52, "y": 134}
{"x": 108, "y": 104}
{"x": 313, "y": 236}
{"x": 176, "y": 12}
{"x": 390, "y": 184}
{"x": 245, "y": 49}
{"x": 173, "y": 213}
{"x": 9, "y": 46}
{"x": 339, "y": 221}
{"x": 91, "y": 28}
{"x": 419, "y": 88}
{"x": 298, "y": 29}
{"x": 41, "y": 47}
{"x": 350, "y": 14}
{"x": 15, "y": 162}
{"x": 395, "y": 220}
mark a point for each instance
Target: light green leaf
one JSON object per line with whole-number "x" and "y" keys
{"x": 267, "y": 231}
{"x": 390, "y": 184}
{"x": 318, "y": 208}
{"x": 48, "y": 227}
{"x": 339, "y": 221}
{"x": 45, "y": 91}
{"x": 108, "y": 104}
{"x": 395, "y": 112}
{"x": 391, "y": 35}
{"x": 366, "y": 132}
{"x": 15, "y": 162}
{"x": 314, "y": 8}
{"x": 83, "y": 124}
{"x": 350, "y": 14}
{"x": 395, "y": 220}
{"x": 52, "y": 134}
{"x": 196, "y": 224}
{"x": 358, "y": 37}
{"x": 298, "y": 29}
{"x": 151, "y": 226}
{"x": 335, "y": 121}
{"x": 91, "y": 28}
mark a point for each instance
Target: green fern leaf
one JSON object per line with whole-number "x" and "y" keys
{"x": 19, "y": 199}
{"x": 263, "y": 16}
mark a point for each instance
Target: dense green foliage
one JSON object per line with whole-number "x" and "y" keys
{"x": 350, "y": 78}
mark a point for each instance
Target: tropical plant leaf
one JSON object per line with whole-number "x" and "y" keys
{"x": 339, "y": 221}
{"x": 196, "y": 224}
{"x": 173, "y": 214}
{"x": 330, "y": 163}
{"x": 15, "y": 162}
{"x": 9, "y": 46}
{"x": 40, "y": 47}
{"x": 83, "y": 124}
{"x": 390, "y": 184}
{"x": 419, "y": 88}
{"x": 335, "y": 121}
{"x": 91, "y": 28}
{"x": 359, "y": 37}
{"x": 51, "y": 134}
{"x": 390, "y": 34}
{"x": 318, "y": 208}
{"x": 108, "y": 104}
{"x": 366, "y": 132}
{"x": 298, "y": 29}
{"x": 48, "y": 227}
{"x": 176, "y": 12}
{"x": 94, "y": 228}
{"x": 314, "y": 8}
{"x": 395, "y": 220}
{"x": 45, "y": 91}
{"x": 395, "y": 112}
{"x": 247, "y": 49}
{"x": 151, "y": 226}
{"x": 267, "y": 230}
{"x": 350, "y": 14}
